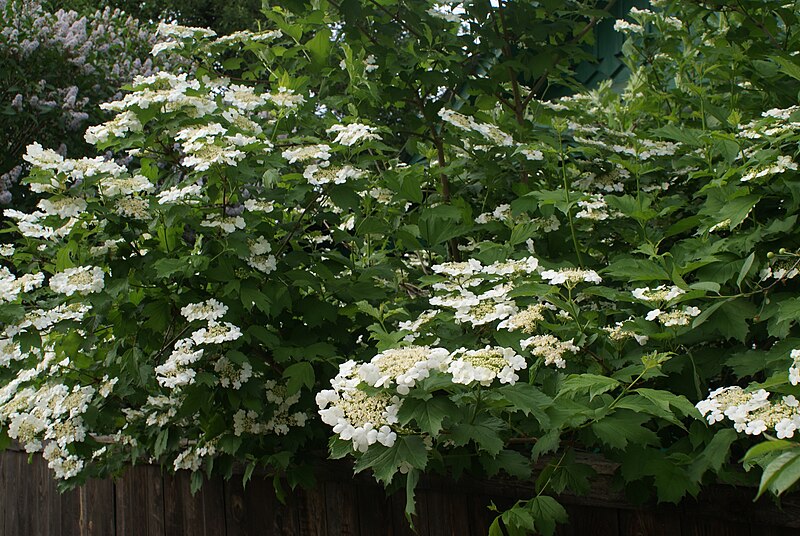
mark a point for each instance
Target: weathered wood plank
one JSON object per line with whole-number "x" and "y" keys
{"x": 447, "y": 512}
{"x": 479, "y": 516}
{"x": 341, "y": 508}
{"x": 587, "y": 520}
{"x": 400, "y": 525}
{"x": 202, "y": 514}
{"x": 47, "y": 519}
{"x": 20, "y": 495}
{"x": 374, "y": 511}
{"x": 693, "y": 525}
{"x": 139, "y": 502}
{"x": 256, "y": 510}
{"x": 649, "y": 522}
{"x": 311, "y": 511}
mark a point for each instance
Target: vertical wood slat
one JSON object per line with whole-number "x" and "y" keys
{"x": 374, "y": 512}
{"x": 311, "y": 511}
{"x": 139, "y": 502}
{"x": 256, "y": 510}
{"x": 202, "y": 514}
{"x": 588, "y": 520}
{"x": 146, "y": 503}
{"x": 650, "y": 522}
{"x": 19, "y": 499}
{"x": 341, "y": 510}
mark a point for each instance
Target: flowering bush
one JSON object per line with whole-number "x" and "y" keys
{"x": 57, "y": 67}
{"x": 450, "y": 269}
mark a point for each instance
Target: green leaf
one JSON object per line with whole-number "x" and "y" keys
{"x": 510, "y": 461}
{"x": 160, "y": 446}
{"x": 546, "y": 513}
{"x": 665, "y": 399}
{"x": 339, "y": 448}
{"x": 319, "y": 47}
{"x": 767, "y": 447}
{"x": 412, "y": 478}
{"x": 528, "y": 399}
{"x": 386, "y": 461}
{"x": 714, "y": 455}
{"x": 788, "y": 66}
{"x": 166, "y": 267}
{"x": 781, "y": 473}
{"x": 484, "y": 431}
{"x": 591, "y": 383}
{"x": 748, "y": 262}
{"x": 299, "y": 375}
{"x": 428, "y": 414}
{"x": 549, "y": 442}
{"x": 637, "y": 270}
{"x": 622, "y": 427}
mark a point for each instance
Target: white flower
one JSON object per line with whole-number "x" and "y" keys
{"x": 570, "y": 276}
{"x": 175, "y": 194}
{"x": 216, "y": 333}
{"x": 208, "y": 310}
{"x": 286, "y": 98}
{"x": 83, "y": 280}
{"x": 353, "y": 133}
{"x": 307, "y": 152}
{"x": 402, "y": 366}
{"x": 550, "y": 348}
{"x": 484, "y": 365}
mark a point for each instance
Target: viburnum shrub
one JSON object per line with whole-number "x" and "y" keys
{"x": 57, "y": 67}
{"x": 376, "y": 223}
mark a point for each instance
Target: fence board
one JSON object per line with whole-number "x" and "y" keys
{"x": 692, "y": 525}
{"x": 586, "y": 520}
{"x": 19, "y": 499}
{"x": 139, "y": 502}
{"x": 341, "y": 509}
{"x": 143, "y": 502}
{"x": 375, "y": 512}
{"x": 649, "y": 522}
{"x": 186, "y": 515}
{"x": 311, "y": 511}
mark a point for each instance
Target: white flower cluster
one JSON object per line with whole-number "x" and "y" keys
{"x": 227, "y": 224}
{"x": 30, "y": 225}
{"x": 402, "y": 366}
{"x": 680, "y": 317}
{"x": 177, "y": 194}
{"x": 353, "y": 133}
{"x": 232, "y": 375}
{"x": 176, "y": 370}
{"x": 618, "y": 333}
{"x": 260, "y": 259}
{"x": 782, "y": 164}
{"x": 209, "y": 310}
{"x": 82, "y": 280}
{"x": 491, "y": 132}
{"x": 550, "y": 348}
{"x": 322, "y": 174}
{"x": 594, "y": 208}
{"x": 51, "y": 413}
{"x": 125, "y": 186}
{"x": 282, "y": 418}
{"x": 485, "y": 365}
{"x": 752, "y": 412}
{"x": 525, "y": 320}
{"x": 11, "y": 286}
{"x": 570, "y": 276}
{"x": 794, "y": 369}
{"x": 356, "y": 416}
{"x": 307, "y": 152}
{"x": 285, "y": 98}
{"x": 660, "y": 293}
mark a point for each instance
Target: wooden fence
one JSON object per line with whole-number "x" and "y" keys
{"x": 147, "y": 502}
